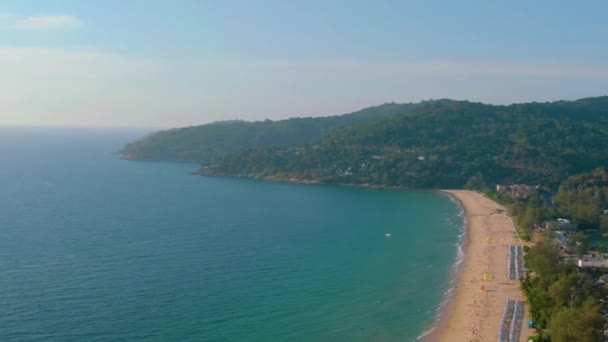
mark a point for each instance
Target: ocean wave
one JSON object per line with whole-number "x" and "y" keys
{"x": 453, "y": 271}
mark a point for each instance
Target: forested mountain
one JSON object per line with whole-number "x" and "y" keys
{"x": 445, "y": 144}
{"x": 205, "y": 143}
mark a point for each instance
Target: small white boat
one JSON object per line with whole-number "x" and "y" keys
{"x": 387, "y": 234}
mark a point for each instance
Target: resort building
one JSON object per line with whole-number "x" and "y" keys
{"x": 593, "y": 261}
{"x": 563, "y": 242}
{"x": 517, "y": 190}
{"x": 561, "y": 224}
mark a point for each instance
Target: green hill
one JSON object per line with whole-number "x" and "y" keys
{"x": 584, "y": 197}
{"x": 444, "y": 144}
{"x": 205, "y": 143}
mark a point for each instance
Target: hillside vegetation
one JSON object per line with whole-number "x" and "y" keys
{"x": 205, "y": 143}
{"x": 444, "y": 144}
{"x": 584, "y": 198}
{"x": 563, "y": 302}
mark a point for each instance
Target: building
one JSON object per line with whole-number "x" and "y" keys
{"x": 593, "y": 261}
{"x": 563, "y": 242}
{"x": 522, "y": 190}
{"x": 517, "y": 190}
{"x": 561, "y": 224}
{"x": 501, "y": 188}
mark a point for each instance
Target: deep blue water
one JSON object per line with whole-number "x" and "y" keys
{"x": 94, "y": 248}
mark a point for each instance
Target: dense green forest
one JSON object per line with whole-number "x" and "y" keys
{"x": 201, "y": 144}
{"x": 444, "y": 144}
{"x": 563, "y": 302}
{"x": 584, "y": 198}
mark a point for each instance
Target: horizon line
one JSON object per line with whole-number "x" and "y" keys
{"x": 167, "y": 127}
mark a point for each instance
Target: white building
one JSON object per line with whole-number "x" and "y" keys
{"x": 594, "y": 261}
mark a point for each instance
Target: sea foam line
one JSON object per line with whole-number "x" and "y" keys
{"x": 453, "y": 270}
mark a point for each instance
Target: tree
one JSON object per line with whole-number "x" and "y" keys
{"x": 563, "y": 290}
{"x": 545, "y": 259}
{"x": 529, "y": 219}
{"x": 583, "y": 324}
{"x": 476, "y": 182}
{"x": 581, "y": 243}
{"x": 584, "y": 197}
{"x": 604, "y": 223}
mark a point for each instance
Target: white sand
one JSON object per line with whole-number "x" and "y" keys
{"x": 473, "y": 314}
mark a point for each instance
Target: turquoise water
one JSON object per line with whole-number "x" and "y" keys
{"x": 93, "y": 248}
{"x": 597, "y": 239}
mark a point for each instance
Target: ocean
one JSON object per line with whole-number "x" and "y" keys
{"x": 95, "y": 248}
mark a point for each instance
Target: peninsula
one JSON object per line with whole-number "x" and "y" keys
{"x": 429, "y": 145}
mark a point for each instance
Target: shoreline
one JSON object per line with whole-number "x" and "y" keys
{"x": 469, "y": 313}
{"x": 298, "y": 181}
{"x": 445, "y": 305}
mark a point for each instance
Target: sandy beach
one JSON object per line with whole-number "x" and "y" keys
{"x": 473, "y": 314}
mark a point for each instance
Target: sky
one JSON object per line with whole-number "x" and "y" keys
{"x": 176, "y": 63}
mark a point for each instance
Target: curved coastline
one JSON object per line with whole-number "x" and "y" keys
{"x": 443, "y": 307}
{"x": 473, "y": 307}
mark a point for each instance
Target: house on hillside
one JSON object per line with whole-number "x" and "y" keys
{"x": 563, "y": 242}
{"x": 561, "y": 224}
{"x": 517, "y": 190}
{"x": 522, "y": 190}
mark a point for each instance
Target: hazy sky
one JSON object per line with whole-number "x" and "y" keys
{"x": 173, "y": 63}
